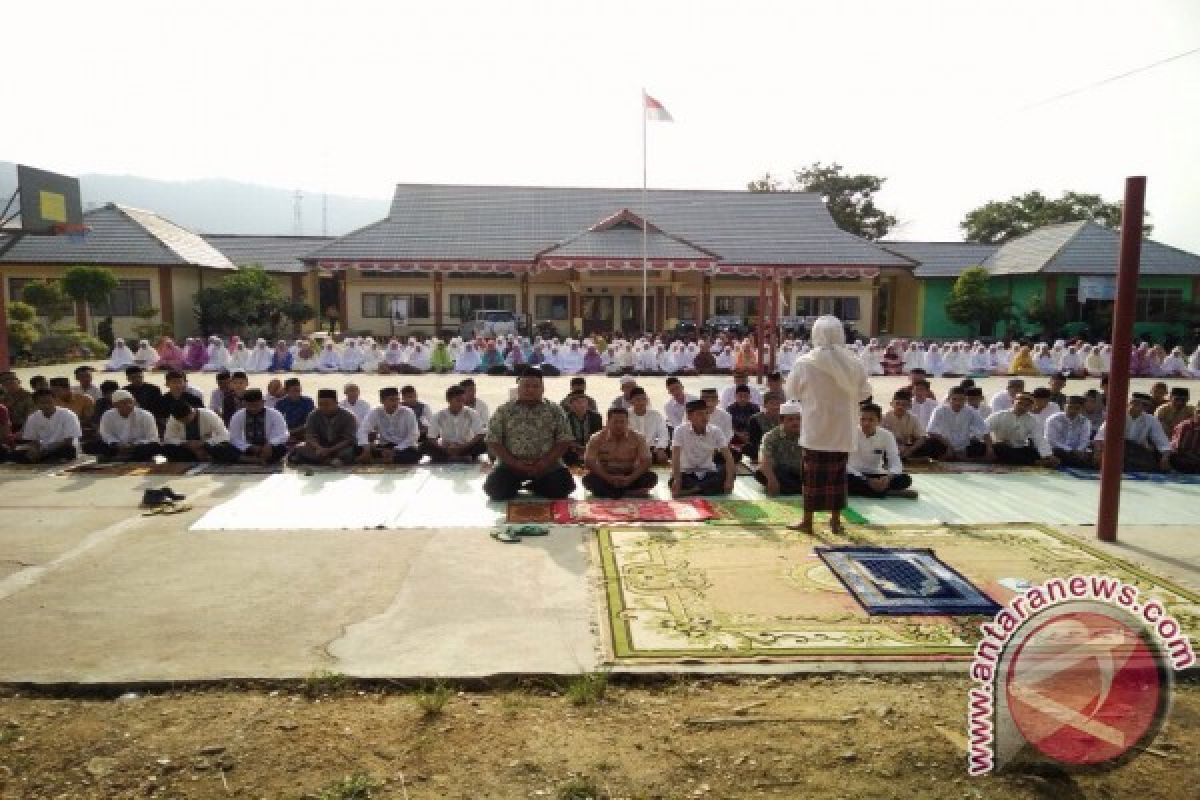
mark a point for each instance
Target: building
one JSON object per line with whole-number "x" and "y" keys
{"x": 573, "y": 257}
{"x": 1047, "y": 267}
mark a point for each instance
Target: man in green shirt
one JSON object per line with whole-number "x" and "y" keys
{"x": 527, "y": 438}
{"x": 781, "y": 458}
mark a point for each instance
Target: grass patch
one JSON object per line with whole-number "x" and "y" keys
{"x": 432, "y": 702}
{"x": 322, "y": 683}
{"x": 587, "y": 689}
{"x": 581, "y": 787}
{"x": 9, "y": 734}
{"x": 359, "y": 786}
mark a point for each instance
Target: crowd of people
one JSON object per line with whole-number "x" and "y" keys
{"x": 815, "y": 430}
{"x": 506, "y": 355}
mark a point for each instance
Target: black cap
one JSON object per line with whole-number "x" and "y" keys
{"x": 326, "y": 394}
{"x": 252, "y": 396}
{"x": 1180, "y": 391}
{"x": 1143, "y": 397}
{"x": 390, "y": 391}
{"x": 1075, "y": 398}
{"x": 696, "y": 405}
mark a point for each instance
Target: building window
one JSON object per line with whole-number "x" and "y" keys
{"x": 1155, "y": 305}
{"x": 846, "y": 309}
{"x": 464, "y": 306}
{"x": 378, "y": 305}
{"x": 550, "y": 306}
{"x": 735, "y": 306}
{"x": 685, "y": 309}
{"x": 129, "y": 299}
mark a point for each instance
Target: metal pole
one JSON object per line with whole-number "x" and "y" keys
{"x": 1128, "y": 265}
{"x": 645, "y": 217}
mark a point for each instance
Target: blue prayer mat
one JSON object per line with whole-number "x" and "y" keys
{"x": 1151, "y": 477}
{"x": 887, "y": 580}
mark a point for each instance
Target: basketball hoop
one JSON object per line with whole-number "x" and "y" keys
{"x": 77, "y": 233}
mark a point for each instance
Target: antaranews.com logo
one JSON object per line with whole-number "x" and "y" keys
{"x": 1077, "y": 670}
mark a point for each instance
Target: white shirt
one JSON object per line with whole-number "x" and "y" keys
{"x": 360, "y": 408}
{"x": 275, "y": 427}
{"x": 138, "y": 428}
{"x": 481, "y": 409}
{"x": 869, "y": 453}
{"x": 1007, "y": 428}
{"x": 651, "y": 426}
{"x": 398, "y": 428}
{"x": 1064, "y": 433}
{"x": 216, "y": 400}
{"x": 696, "y": 449}
{"x": 1001, "y": 401}
{"x": 830, "y": 414}
{"x": 61, "y": 425}
{"x": 722, "y": 419}
{"x": 958, "y": 428}
{"x": 1046, "y": 413}
{"x": 729, "y": 396}
{"x": 212, "y": 429}
{"x": 457, "y": 428}
{"x": 1145, "y": 429}
{"x": 675, "y": 411}
{"x": 924, "y": 409}
{"x": 92, "y": 391}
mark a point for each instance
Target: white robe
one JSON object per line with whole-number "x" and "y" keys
{"x": 352, "y": 358}
{"x": 121, "y": 357}
{"x": 218, "y": 358}
{"x": 371, "y": 358}
{"x": 467, "y": 360}
{"x": 260, "y": 357}
{"x": 329, "y": 360}
{"x": 239, "y": 358}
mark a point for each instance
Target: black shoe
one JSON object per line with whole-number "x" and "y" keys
{"x": 154, "y": 497}
{"x": 172, "y": 494}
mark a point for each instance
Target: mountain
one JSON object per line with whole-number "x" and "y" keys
{"x": 217, "y": 205}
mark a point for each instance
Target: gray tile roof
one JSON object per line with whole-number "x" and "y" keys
{"x": 121, "y": 236}
{"x": 272, "y": 253}
{"x": 441, "y": 222}
{"x": 941, "y": 259}
{"x": 1084, "y": 248}
{"x": 624, "y": 241}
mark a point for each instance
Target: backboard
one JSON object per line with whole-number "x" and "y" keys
{"x": 50, "y": 202}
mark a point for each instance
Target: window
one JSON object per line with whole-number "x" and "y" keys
{"x": 1155, "y": 304}
{"x": 685, "y": 309}
{"x": 464, "y": 306}
{"x": 377, "y": 305}
{"x": 127, "y": 300}
{"x": 735, "y": 306}
{"x": 844, "y": 308}
{"x": 550, "y": 306}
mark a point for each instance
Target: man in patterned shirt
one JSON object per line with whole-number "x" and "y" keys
{"x": 527, "y": 438}
{"x": 1185, "y": 445}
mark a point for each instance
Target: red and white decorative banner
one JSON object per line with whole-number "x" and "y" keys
{"x": 606, "y": 265}
{"x": 494, "y": 267}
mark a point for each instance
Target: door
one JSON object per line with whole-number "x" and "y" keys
{"x": 631, "y": 314}
{"x": 596, "y": 311}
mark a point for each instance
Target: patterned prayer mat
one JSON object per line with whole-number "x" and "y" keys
{"x": 968, "y": 468}
{"x": 768, "y": 511}
{"x": 133, "y": 468}
{"x": 577, "y": 512}
{"x": 530, "y": 512}
{"x": 888, "y": 580}
{"x": 1152, "y": 477}
{"x": 349, "y": 469}
{"x": 729, "y": 593}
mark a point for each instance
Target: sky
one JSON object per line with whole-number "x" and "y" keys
{"x": 943, "y": 99}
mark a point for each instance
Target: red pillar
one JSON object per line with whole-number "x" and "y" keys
{"x": 760, "y": 325}
{"x": 166, "y": 298}
{"x": 773, "y": 340}
{"x": 3, "y": 326}
{"x": 1128, "y": 266}
{"x": 437, "y": 304}
{"x": 343, "y": 300}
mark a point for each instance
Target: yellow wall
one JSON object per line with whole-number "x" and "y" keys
{"x": 905, "y": 303}
{"x": 122, "y": 326}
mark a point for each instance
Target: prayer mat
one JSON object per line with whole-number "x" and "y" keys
{"x": 888, "y": 580}
{"x": 1151, "y": 477}
{"x": 588, "y": 512}
{"x": 133, "y": 468}
{"x": 730, "y": 593}
{"x": 530, "y": 512}
{"x": 769, "y": 511}
{"x": 969, "y": 468}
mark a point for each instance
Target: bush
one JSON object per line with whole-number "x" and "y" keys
{"x": 21, "y": 312}
{"x": 68, "y": 345}
{"x": 22, "y": 336}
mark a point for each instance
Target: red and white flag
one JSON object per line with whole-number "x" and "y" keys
{"x": 654, "y": 109}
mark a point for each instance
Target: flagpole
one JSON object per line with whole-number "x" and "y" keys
{"x": 645, "y": 217}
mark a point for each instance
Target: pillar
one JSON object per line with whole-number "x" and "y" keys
{"x": 760, "y": 325}
{"x": 437, "y": 304}
{"x": 525, "y": 309}
{"x": 705, "y": 299}
{"x": 1051, "y": 298}
{"x": 4, "y": 364}
{"x": 660, "y": 308}
{"x": 343, "y": 300}
{"x": 297, "y": 280}
{"x": 166, "y": 298}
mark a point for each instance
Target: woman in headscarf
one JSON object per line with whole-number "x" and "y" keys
{"x": 169, "y": 355}
{"x": 329, "y": 361}
{"x": 418, "y": 359}
{"x": 305, "y": 359}
{"x": 746, "y": 359}
{"x": 829, "y": 383}
{"x": 492, "y": 361}
{"x": 1193, "y": 365}
{"x": 195, "y": 355}
{"x": 372, "y": 357}
{"x": 1173, "y": 366}
{"x": 218, "y": 355}
{"x": 260, "y": 357}
{"x": 935, "y": 362}
{"x": 393, "y": 357}
{"x": 121, "y": 357}
{"x": 893, "y": 364}
{"x": 146, "y": 356}
{"x": 725, "y": 361}
{"x": 1044, "y": 361}
{"x": 352, "y": 357}
{"x": 468, "y": 359}
{"x": 281, "y": 359}
{"x": 239, "y": 356}
{"x": 440, "y": 360}
{"x": 1022, "y": 363}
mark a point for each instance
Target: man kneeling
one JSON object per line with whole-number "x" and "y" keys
{"x": 528, "y": 437}
{"x": 618, "y": 460}
{"x": 330, "y": 434}
{"x": 259, "y": 434}
{"x": 694, "y": 470}
{"x": 127, "y": 433}
{"x": 390, "y": 432}
{"x": 866, "y": 474}
{"x": 197, "y": 434}
{"x": 780, "y": 456}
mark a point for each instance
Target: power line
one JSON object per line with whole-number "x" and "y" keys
{"x": 1102, "y": 82}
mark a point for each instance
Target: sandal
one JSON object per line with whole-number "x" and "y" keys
{"x": 506, "y": 536}
{"x": 529, "y": 530}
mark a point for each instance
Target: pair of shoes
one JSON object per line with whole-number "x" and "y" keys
{"x": 514, "y": 533}
{"x": 163, "y": 496}
{"x": 167, "y": 508}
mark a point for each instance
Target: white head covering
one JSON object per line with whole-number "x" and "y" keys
{"x": 831, "y": 356}
{"x": 790, "y": 407}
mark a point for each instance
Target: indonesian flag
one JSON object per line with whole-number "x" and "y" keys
{"x": 655, "y": 109}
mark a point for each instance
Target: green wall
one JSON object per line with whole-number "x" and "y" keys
{"x": 1020, "y": 289}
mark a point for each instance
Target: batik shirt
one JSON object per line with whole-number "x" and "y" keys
{"x": 529, "y": 432}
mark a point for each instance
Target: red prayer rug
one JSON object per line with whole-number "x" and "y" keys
{"x": 589, "y": 512}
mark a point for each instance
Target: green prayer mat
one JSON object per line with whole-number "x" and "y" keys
{"x": 768, "y": 511}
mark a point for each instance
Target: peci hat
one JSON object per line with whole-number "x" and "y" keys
{"x": 790, "y": 408}
{"x": 120, "y": 395}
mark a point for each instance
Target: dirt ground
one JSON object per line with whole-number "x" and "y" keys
{"x": 875, "y": 737}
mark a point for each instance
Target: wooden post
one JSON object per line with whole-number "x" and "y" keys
{"x": 437, "y": 304}
{"x": 1128, "y": 266}
{"x": 343, "y": 300}
{"x": 166, "y": 298}
{"x": 760, "y": 325}
{"x": 773, "y": 353}
{"x": 4, "y": 363}
{"x": 705, "y": 300}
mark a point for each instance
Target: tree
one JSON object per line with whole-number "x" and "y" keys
{"x": 998, "y": 221}
{"x": 972, "y": 305}
{"x": 849, "y": 198}
{"x": 91, "y": 286}
{"x": 49, "y": 300}
{"x": 22, "y": 333}
{"x": 1049, "y": 318}
{"x": 249, "y": 300}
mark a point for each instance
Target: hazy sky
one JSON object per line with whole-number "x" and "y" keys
{"x": 352, "y": 97}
